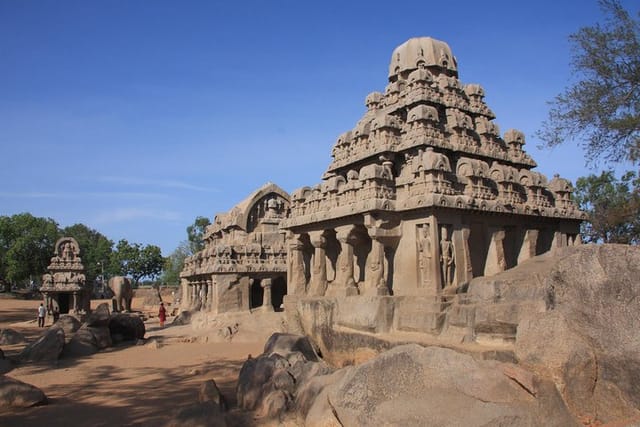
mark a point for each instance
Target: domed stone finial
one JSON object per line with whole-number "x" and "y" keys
{"x": 422, "y": 52}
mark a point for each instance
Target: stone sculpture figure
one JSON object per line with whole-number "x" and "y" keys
{"x": 425, "y": 253}
{"x": 67, "y": 251}
{"x": 122, "y": 292}
{"x": 446, "y": 257}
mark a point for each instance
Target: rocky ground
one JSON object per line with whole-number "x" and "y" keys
{"x": 128, "y": 384}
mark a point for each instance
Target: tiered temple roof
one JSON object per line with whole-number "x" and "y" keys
{"x": 429, "y": 140}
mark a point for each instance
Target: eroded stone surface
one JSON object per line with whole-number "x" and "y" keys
{"x": 17, "y": 394}
{"x": 10, "y": 337}
{"x": 47, "y": 348}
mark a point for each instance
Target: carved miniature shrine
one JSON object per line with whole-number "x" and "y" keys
{"x": 244, "y": 262}
{"x": 64, "y": 288}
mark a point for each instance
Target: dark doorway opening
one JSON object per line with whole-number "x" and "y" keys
{"x": 278, "y": 291}
{"x": 256, "y": 294}
{"x": 63, "y": 303}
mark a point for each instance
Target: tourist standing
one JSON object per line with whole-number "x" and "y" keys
{"x": 41, "y": 313}
{"x": 162, "y": 315}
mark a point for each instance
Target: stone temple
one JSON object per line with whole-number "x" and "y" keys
{"x": 64, "y": 287}
{"x": 422, "y": 195}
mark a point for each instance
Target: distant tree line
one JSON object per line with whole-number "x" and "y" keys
{"x": 27, "y": 245}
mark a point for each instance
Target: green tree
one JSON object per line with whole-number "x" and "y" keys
{"x": 602, "y": 107}
{"x": 95, "y": 249}
{"x": 136, "y": 261}
{"x": 613, "y": 207}
{"x": 26, "y": 246}
{"x": 196, "y": 232}
{"x": 174, "y": 263}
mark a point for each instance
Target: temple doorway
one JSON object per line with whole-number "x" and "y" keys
{"x": 278, "y": 291}
{"x": 256, "y": 294}
{"x": 63, "y": 303}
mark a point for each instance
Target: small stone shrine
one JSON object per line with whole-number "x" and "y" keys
{"x": 64, "y": 288}
{"x": 422, "y": 195}
{"x": 243, "y": 265}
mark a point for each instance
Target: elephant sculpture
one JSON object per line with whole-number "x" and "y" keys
{"x": 122, "y": 292}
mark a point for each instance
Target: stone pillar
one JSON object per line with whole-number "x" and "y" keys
{"x": 194, "y": 290}
{"x": 495, "y": 257}
{"x": 200, "y": 294}
{"x": 74, "y": 306}
{"x": 266, "y": 296}
{"x": 184, "y": 303}
{"x": 295, "y": 266}
{"x": 559, "y": 240}
{"x": 374, "y": 280}
{"x": 345, "y": 284}
{"x": 528, "y": 249}
{"x": 204, "y": 295}
{"x": 464, "y": 268}
{"x": 210, "y": 295}
{"x": 318, "y": 285}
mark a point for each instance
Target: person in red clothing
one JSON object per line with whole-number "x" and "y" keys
{"x": 162, "y": 315}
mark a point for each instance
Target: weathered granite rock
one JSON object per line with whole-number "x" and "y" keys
{"x": 412, "y": 385}
{"x": 312, "y": 393}
{"x": 284, "y": 344}
{"x": 87, "y": 340}
{"x": 184, "y": 318}
{"x": 9, "y": 337}
{"x": 207, "y": 412}
{"x": 126, "y": 327}
{"x": 588, "y": 341}
{"x": 100, "y": 316}
{"x": 69, "y": 324}
{"x": 83, "y": 343}
{"x": 267, "y": 384}
{"x": 47, "y": 348}
{"x": 209, "y": 392}
{"x": 5, "y": 364}
{"x": 102, "y": 336}
{"x": 17, "y": 394}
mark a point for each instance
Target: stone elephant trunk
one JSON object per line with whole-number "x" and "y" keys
{"x": 122, "y": 292}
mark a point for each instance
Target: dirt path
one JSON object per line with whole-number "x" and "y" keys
{"x": 126, "y": 385}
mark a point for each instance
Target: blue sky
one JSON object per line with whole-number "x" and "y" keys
{"x": 134, "y": 117}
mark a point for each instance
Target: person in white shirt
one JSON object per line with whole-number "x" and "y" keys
{"x": 41, "y": 313}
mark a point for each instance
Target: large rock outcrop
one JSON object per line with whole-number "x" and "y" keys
{"x": 588, "y": 340}
{"x": 411, "y": 385}
{"x": 269, "y": 383}
{"x": 570, "y": 316}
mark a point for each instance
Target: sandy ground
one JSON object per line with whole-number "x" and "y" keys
{"x": 126, "y": 385}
